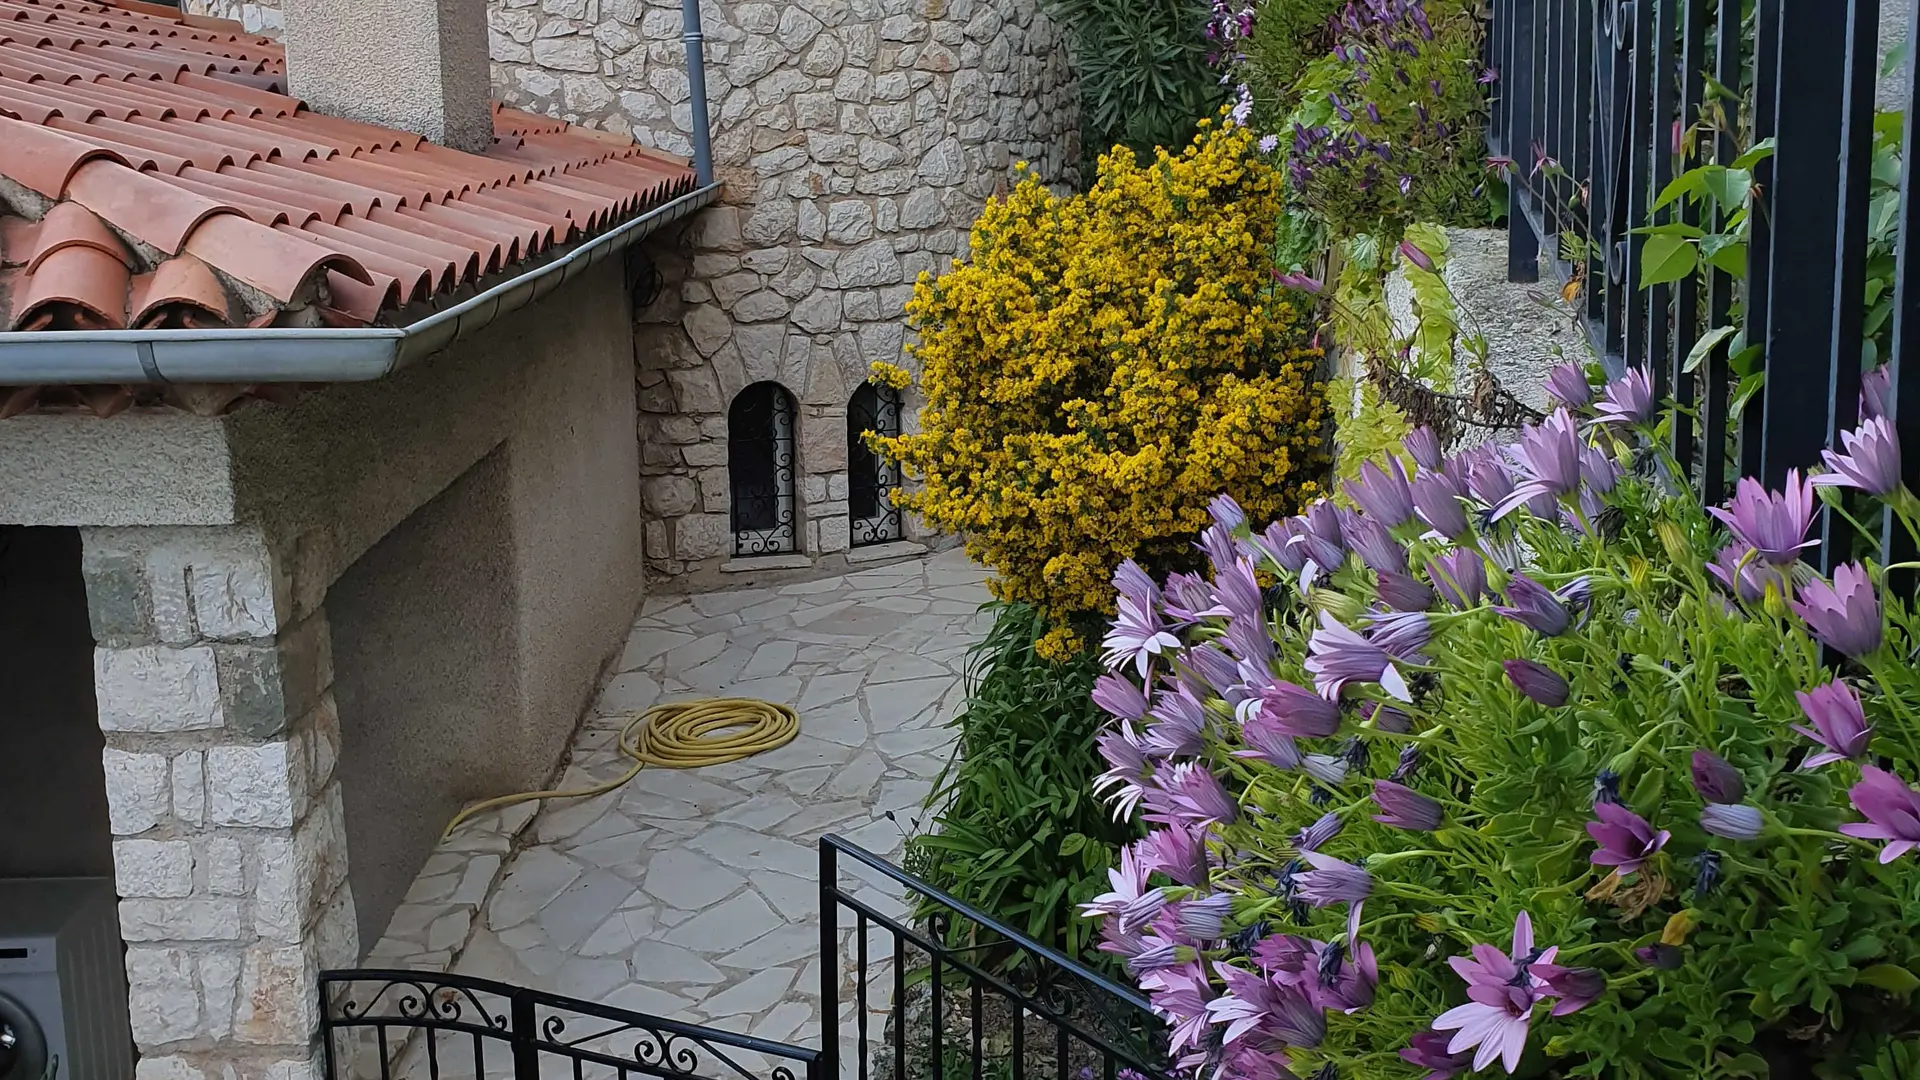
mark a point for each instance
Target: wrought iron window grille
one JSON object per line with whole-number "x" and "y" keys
{"x": 760, "y": 468}
{"x": 872, "y": 517}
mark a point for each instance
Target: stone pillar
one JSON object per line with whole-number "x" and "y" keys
{"x": 212, "y": 679}
{"x": 416, "y": 65}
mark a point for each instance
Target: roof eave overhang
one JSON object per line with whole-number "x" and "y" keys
{"x": 319, "y": 355}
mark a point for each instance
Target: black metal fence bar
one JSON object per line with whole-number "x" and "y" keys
{"x": 965, "y": 988}
{"x": 1614, "y": 99}
{"x": 1903, "y": 363}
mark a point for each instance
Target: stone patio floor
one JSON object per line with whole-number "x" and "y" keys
{"x": 694, "y": 895}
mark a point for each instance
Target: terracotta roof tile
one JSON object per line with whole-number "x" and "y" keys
{"x": 189, "y": 190}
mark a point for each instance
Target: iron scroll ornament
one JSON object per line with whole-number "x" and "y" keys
{"x": 872, "y": 517}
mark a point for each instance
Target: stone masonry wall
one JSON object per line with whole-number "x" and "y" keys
{"x": 213, "y": 675}
{"x": 857, "y": 140}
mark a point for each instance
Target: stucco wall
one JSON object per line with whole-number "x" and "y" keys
{"x": 53, "y": 801}
{"x": 419, "y": 678}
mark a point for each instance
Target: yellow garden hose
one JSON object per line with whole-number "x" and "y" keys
{"x": 679, "y": 735}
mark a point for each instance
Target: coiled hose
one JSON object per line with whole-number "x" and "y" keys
{"x": 678, "y": 735}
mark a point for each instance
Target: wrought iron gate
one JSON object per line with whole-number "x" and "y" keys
{"x": 914, "y": 986}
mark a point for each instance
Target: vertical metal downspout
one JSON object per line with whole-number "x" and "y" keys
{"x": 697, "y": 87}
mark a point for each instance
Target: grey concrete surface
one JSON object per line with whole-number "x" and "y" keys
{"x": 416, "y": 65}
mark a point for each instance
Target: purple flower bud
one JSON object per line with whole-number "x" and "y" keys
{"x": 1119, "y": 697}
{"x": 1386, "y": 718}
{"x": 1376, "y": 547}
{"x": 1626, "y": 840}
{"x": 1436, "y": 501}
{"x": 1425, "y": 447}
{"x": 1735, "y": 821}
{"x": 1297, "y": 711}
{"x": 1412, "y": 253}
{"x": 1715, "y": 780}
{"x": 1203, "y": 919}
{"x": 1404, "y": 592}
{"x": 1314, "y": 836}
{"x": 1332, "y": 881}
{"x": 1460, "y": 576}
{"x": 1876, "y": 393}
{"x": 1538, "y": 682}
{"x": 1405, "y": 808}
{"x": 1535, "y": 606}
{"x": 1568, "y": 385}
{"x": 1660, "y": 956}
{"x": 1383, "y": 493}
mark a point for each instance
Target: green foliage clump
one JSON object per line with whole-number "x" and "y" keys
{"x": 1287, "y": 36}
{"x": 1019, "y": 834}
{"x": 1145, "y": 78}
{"x": 1387, "y": 127}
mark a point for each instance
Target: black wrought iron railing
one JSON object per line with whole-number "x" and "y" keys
{"x": 914, "y": 986}
{"x": 1600, "y": 104}
{"x": 409, "y": 1025}
{"x": 938, "y": 990}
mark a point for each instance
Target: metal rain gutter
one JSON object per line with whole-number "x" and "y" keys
{"x": 318, "y": 355}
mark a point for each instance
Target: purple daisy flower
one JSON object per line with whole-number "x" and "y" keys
{"x": 1504, "y": 990}
{"x": 1892, "y": 810}
{"x": 1138, "y": 636}
{"x": 1627, "y": 400}
{"x": 1839, "y": 723}
{"x": 1314, "y": 836}
{"x": 1117, "y": 696}
{"x": 1576, "y": 988}
{"x": 1127, "y": 770}
{"x": 1267, "y": 741}
{"x": 1871, "y": 461}
{"x": 1337, "y": 655}
{"x": 1549, "y": 454}
{"x": 1744, "y": 574}
{"x": 1131, "y": 902}
{"x": 1844, "y": 615}
{"x": 1179, "y": 719}
{"x": 1626, "y": 840}
{"x": 1178, "y": 852}
{"x": 1332, "y": 881}
{"x": 1404, "y": 592}
{"x": 1876, "y": 393}
{"x": 1428, "y": 1050}
{"x": 1771, "y": 523}
{"x": 1376, "y": 547}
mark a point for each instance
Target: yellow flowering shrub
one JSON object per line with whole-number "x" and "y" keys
{"x": 1107, "y": 364}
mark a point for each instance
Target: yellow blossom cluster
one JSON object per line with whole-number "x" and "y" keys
{"x": 1106, "y": 365}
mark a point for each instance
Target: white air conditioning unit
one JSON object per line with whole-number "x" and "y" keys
{"x": 63, "y": 982}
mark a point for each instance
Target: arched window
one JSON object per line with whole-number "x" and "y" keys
{"x": 871, "y": 479}
{"x": 760, "y": 469}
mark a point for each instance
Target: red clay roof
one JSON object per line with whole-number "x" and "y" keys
{"x": 170, "y": 182}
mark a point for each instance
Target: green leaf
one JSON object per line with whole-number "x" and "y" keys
{"x": 1671, "y": 228}
{"x": 1692, "y": 182}
{"x": 1073, "y": 842}
{"x": 1705, "y": 346}
{"x": 1896, "y": 59}
{"x": 1665, "y": 258}
{"x": 1729, "y": 187}
{"x": 1729, "y": 258}
{"x": 1890, "y": 977}
{"x": 1760, "y": 151}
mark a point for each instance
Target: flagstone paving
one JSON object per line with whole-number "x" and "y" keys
{"x": 693, "y": 895}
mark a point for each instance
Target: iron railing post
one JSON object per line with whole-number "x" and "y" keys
{"x": 526, "y": 1058}
{"x": 1903, "y": 354}
{"x": 697, "y": 89}
{"x": 1517, "y": 96}
{"x": 829, "y": 956}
